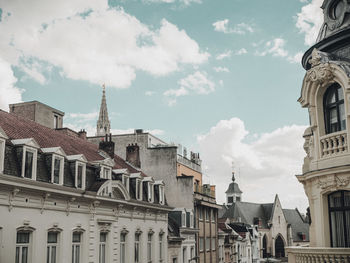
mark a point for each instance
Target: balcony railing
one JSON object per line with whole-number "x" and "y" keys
{"x": 189, "y": 163}
{"x": 204, "y": 190}
{"x": 318, "y": 255}
{"x": 333, "y": 144}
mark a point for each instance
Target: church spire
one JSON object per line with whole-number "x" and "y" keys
{"x": 103, "y": 123}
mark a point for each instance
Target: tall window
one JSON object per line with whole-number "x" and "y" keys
{"x": 149, "y": 247}
{"x": 183, "y": 219}
{"x": 2, "y": 155}
{"x": 122, "y": 247}
{"x": 76, "y": 247}
{"x": 28, "y": 164}
{"x": 137, "y": 247}
{"x": 334, "y": 111}
{"x": 80, "y": 176}
{"x": 52, "y": 244}
{"x": 102, "y": 247}
{"x": 184, "y": 255}
{"x": 207, "y": 243}
{"x": 22, "y": 247}
{"x": 213, "y": 243}
{"x": 56, "y": 170}
{"x": 161, "y": 247}
{"x": 201, "y": 243}
{"x": 339, "y": 215}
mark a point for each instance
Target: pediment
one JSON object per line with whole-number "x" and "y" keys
{"x": 27, "y": 142}
{"x": 107, "y": 162}
{"x": 77, "y": 157}
{"x": 121, "y": 171}
{"x": 148, "y": 179}
{"x": 135, "y": 175}
{"x": 54, "y": 150}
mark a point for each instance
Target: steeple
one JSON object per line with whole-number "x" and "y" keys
{"x": 233, "y": 193}
{"x": 103, "y": 123}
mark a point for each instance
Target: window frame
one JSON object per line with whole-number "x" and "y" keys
{"x": 104, "y": 169}
{"x": 123, "y": 246}
{"x": 150, "y": 247}
{"x": 150, "y": 192}
{"x": 83, "y": 179}
{"x": 76, "y": 244}
{"x": 327, "y": 107}
{"x": 207, "y": 243}
{"x": 103, "y": 246}
{"x": 183, "y": 218}
{"x": 21, "y": 245}
{"x": 137, "y": 247}
{"x": 126, "y": 182}
{"x": 161, "y": 247}
{"x": 34, "y": 164}
{"x": 343, "y": 209}
{"x": 201, "y": 244}
{"x": 50, "y": 245}
{"x": 61, "y": 169}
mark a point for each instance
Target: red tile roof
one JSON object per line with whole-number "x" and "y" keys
{"x": 17, "y": 127}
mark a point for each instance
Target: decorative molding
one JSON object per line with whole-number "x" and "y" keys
{"x": 12, "y": 196}
{"x": 69, "y": 202}
{"x": 320, "y": 74}
{"x": 43, "y": 201}
{"x": 334, "y": 182}
{"x": 104, "y": 227}
{"x": 93, "y": 207}
{"x": 124, "y": 231}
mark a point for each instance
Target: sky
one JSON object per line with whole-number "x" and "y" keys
{"x": 220, "y": 77}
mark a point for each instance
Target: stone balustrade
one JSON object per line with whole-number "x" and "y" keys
{"x": 318, "y": 255}
{"x": 333, "y": 144}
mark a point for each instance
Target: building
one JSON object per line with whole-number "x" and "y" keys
{"x": 277, "y": 227}
{"x": 64, "y": 199}
{"x": 326, "y": 170}
{"x": 182, "y": 175}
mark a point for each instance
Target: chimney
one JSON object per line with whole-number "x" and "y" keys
{"x": 82, "y": 134}
{"x": 107, "y": 145}
{"x": 133, "y": 155}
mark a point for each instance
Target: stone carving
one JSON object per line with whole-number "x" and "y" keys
{"x": 43, "y": 201}
{"x": 334, "y": 182}
{"x": 69, "y": 202}
{"x": 12, "y": 196}
{"x": 321, "y": 70}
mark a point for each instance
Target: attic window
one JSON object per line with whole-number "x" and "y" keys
{"x": 80, "y": 174}
{"x": 105, "y": 172}
{"x": 57, "y": 168}
{"x": 183, "y": 219}
{"x": 125, "y": 181}
{"x": 138, "y": 189}
{"x": 150, "y": 189}
{"x": 29, "y": 162}
{"x": 161, "y": 194}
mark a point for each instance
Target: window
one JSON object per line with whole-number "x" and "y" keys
{"x": 184, "y": 255}
{"x": 137, "y": 247}
{"x": 28, "y": 164}
{"x": 339, "y": 215}
{"x": 174, "y": 260}
{"x": 207, "y": 243}
{"x": 149, "y": 247}
{"x": 138, "y": 189}
{"x": 102, "y": 247}
{"x": 161, "y": 247}
{"x": 201, "y": 243}
{"x": 55, "y": 121}
{"x": 80, "y": 171}
{"x": 207, "y": 214}
{"x": 125, "y": 181}
{"x": 200, "y": 212}
{"x": 52, "y": 245}
{"x": 161, "y": 194}
{"x": 334, "y": 111}
{"x": 212, "y": 214}
{"x": 76, "y": 247}
{"x": 191, "y": 219}
{"x": 22, "y": 247}
{"x": 230, "y": 199}
{"x": 57, "y": 169}
{"x": 105, "y": 173}
{"x": 122, "y": 247}
{"x": 192, "y": 253}
{"x": 213, "y": 243}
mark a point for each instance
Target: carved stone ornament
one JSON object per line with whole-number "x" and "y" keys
{"x": 104, "y": 227}
{"x": 334, "y": 182}
{"x": 321, "y": 70}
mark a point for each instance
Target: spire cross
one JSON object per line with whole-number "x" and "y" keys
{"x": 104, "y": 87}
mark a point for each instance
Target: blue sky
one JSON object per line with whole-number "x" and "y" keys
{"x": 222, "y": 77}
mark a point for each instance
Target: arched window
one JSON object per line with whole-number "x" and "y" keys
{"x": 339, "y": 218}
{"x": 334, "y": 111}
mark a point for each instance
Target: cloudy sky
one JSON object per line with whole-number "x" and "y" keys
{"x": 220, "y": 77}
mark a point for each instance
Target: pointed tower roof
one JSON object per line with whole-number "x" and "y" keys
{"x": 233, "y": 187}
{"x": 103, "y": 123}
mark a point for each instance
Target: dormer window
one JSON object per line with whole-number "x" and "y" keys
{"x": 334, "y": 110}
{"x": 161, "y": 194}
{"x": 138, "y": 189}
{"x": 106, "y": 172}
{"x": 57, "y": 169}
{"x": 125, "y": 181}
{"x": 78, "y": 167}
{"x": 3, "y": 138}
{"x": 150, "y": 191}
{"x": 137, "y": 184}
{"x": 29, "y": 162}
{"x": 183, "y": 219}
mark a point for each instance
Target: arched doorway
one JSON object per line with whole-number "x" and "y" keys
{"x": 264, "y": 246}
{"x": 279, "y": 247}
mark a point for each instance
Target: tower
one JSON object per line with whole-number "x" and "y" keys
{"x": 326, "y": 94}
{"x": 103, "y": 123}
{"x": 233, "y": 193}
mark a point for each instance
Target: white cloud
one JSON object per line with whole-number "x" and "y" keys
{"x": 241, "y": 51}
{"x": 309, "y": 20}
{"x": 275, "y": 48}
{"x": 241, "y": 28}
{"x": 223, "y": 55}
{"x": 221, "y": 69}
{"x": 149, "y": 93}
{"x": 197, "y": 83}
{"x": 104, "y": 45}
{"x": 184, "y": 2}
{"x": 84, "y": 116}
{"x": 296, "y": 58}
{"x": 8, "y": 90}
{"x": 270, "y": 162}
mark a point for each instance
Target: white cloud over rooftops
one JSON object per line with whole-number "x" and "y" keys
{"x": 271, "y": 158}
{"x": 241, "y": 28}
{"x": 100, "y": 44}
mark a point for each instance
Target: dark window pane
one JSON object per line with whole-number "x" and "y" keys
{"x": 24, "y": 255}
{"x": 80, "y": 176}
{"x": 334, "y": 112}
{"x": 52, "y": 237}
{"x": 103, "y": 237}
{"x": 76, "y": 237}
{"x": 56, "y": 171}
{"x": 28, "y": 168}
{"x": 23, "y": 237}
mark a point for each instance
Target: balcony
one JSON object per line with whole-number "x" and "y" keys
{"x": 333, "y": 144}
{"x": 189, "y": 163}
{"x": 318, "y": 255}
{"x": 204, "y": 190}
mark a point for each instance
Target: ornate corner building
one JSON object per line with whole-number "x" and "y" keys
{"x": 326, "y": 171}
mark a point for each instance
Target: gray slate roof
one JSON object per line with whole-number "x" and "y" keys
{"x": 298, "y": 224}
{"x": 233, "y": 188}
